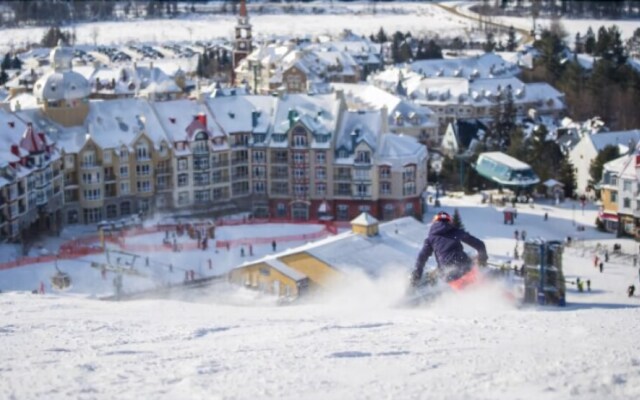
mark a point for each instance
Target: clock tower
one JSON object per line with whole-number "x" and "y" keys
{"x": 242, "y": 45}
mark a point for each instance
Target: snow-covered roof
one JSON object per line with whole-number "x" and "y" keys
{"x": 617, "y": 138}
{"x": 506, "y": 160}
{"x": 488, "y": 65}
{"x": 176, "y": 115}
{"x": 364, "y": 219}
{"x": 114, "y": 123}
{"x": 357, "y": 126}
{"x": 11, "y": 129}
{"x": 400, "y": 150}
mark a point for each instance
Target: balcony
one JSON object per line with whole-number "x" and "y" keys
{"x": 220, "y": 164}
{"x": 110, "y": 178}
{"x": 91, "y": 165}
{"x": 342, "y": 177}
{"x": 280, "y": 176}
{"x": 237, "y": 161}
{"x": 237, "y": 177}
{"x": 280, "y": 160}
{"x": 164, "y": 171}
{"x": 343, "y": 193}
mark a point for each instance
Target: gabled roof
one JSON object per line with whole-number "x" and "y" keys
{"x": 31, "y": 141}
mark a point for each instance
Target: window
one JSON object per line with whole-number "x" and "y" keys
{"x": 362, "y": 190}
{"x": 385, "y": 188}
{"x": 321, "y": 157}
{"x": 124, "y": 188}
{"x": 626, "y": 185}
{"x": 385, "y": 172}
{"x": 259, "y": 172}
{"x": 342, "y": 212}
{"x": 321, "y": 189}
{"x": 299, "y": 158}
{"x": 183, "y": 180}
{"x": 92, "y": 215}
{"x": 614, "y": 196}
{"x": 88, "y": 159}
{"x": 200, "y": 163}
{"x": 281, "y": 210}
{"x": 321, "y": 173}
{"x": 259, "y": 187}
{"x": 259, "y": 157}
{"x": 626, "y": 202}
{"x": 363, "y": 157}
{"x": 280, "y": 188}
{"x": 89, "y": 178}
{"x": 362, "y": 175}
{"x": 124, "y": 155}
{"x": 125, "y": 208}
{"x": 201, "y": 179}
{"x": 300, "y": 190}
{"x": 124, "y": 171}
{"x": 409, "y": 173}
{"x": 182, "y": 164}
{"x": 92, "y": 194}
{"x": 142, "y": 170}
{"x": 299, "y": 173}
{"x": 183, "y": 198}
{"x": 68, "y": 161}
{"x": 106, "y": 159}
{"x": 162, "y": 182}
{"x": 202, "y": 196}
{"x": 142, "y": 151}
{"x": 144, "y": 186}
{"x": 299, "y": 141}
{"x": 409, "y": 189}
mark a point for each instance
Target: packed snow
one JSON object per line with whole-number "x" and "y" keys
{"x": 352, "y": 342}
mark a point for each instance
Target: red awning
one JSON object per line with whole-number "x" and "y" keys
{"x": 608, "y": 216}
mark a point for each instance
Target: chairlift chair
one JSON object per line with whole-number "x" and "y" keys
{"x": 61, "y": 280}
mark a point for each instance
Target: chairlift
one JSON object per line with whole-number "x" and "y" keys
{"x": 61, "y": 280}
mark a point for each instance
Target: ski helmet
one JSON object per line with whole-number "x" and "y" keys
{"x": 442, "y": 216}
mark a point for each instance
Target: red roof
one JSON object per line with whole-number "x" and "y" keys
{"x": 31, "y": 141}
{"x": 608, "y": 216}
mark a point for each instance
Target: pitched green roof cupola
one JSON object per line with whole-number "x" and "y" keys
{"x": 365, "y": 224}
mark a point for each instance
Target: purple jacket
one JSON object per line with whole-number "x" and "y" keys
{"x": 446, "y": 241}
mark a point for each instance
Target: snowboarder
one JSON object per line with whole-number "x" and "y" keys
{"x": 446, "y": 241}
{"x": 631, "y": 290}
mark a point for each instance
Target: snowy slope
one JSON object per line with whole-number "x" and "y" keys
{"x": 351, "y": 343}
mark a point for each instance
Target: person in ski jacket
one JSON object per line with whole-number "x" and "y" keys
{"x": 445, "y": 240}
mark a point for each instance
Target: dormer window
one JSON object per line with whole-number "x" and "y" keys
{"x": 232, "y": 115}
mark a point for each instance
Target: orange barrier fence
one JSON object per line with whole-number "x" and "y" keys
{"x": 89, "y": 245}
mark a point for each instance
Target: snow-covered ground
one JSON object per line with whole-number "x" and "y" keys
{"x": 351, "y": 343}
{"x": 417, "y": 18}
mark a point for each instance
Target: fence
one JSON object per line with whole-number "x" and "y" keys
{"x": 90, "y": 245}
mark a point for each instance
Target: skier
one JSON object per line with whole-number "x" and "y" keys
{"x": 588, "y": 285}
{"x": 601, "y": 266}
{"x": 445, "y": 240}
{"x": 631, "y": 290}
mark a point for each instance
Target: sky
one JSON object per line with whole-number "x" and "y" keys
{"x": 350, "y": 342}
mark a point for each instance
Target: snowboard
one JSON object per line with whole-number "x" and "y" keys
{"x": 432, "y": 288}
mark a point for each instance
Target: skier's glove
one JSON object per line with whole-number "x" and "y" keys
{"x": 482, "y": 261}
{"x": 415, "y": 280}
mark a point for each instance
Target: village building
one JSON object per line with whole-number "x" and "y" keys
{"x": 585, "y": 151}
{"x": 370, "y": 247}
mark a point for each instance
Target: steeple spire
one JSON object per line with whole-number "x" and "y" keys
{"x": 243, "y": 8}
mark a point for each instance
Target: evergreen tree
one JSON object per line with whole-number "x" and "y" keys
{"x": 3, "y": 76}
{"x": 6, "y": 62}
{"x": 567, "y": 176}
{"x": 604, "y": 156}
{"x": 457, "y": 220}
{"x": 200, "y": 67}
{"x": 511, "y": 39}
{"x": 16, "y": 63}
{"x": 490, "y": 44}
{"x": 590, "y": 42}
{"x": 550, "y": 47}
{"x": 381, "y": 37}
{"x": 404, "y": 52}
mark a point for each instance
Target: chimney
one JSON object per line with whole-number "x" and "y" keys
{"x": 254, "y": 118}
{"x": 354, "y": 138}
{"x": 384, "y": 111}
